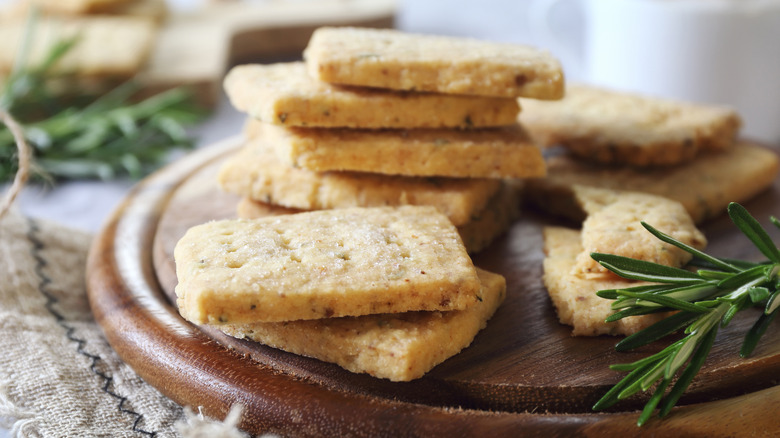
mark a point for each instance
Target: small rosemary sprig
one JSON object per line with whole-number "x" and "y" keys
{"x": 77, "y": 135}
{"x": 705, "y": 300}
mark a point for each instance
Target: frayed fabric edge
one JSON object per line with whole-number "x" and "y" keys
{"x": 18, "y": 421}
{"x": 197, "y": 425}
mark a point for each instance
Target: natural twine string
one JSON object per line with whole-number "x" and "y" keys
{"x": 24, "y": 155}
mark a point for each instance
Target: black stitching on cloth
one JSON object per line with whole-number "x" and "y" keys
{"x": 51, "y": 300}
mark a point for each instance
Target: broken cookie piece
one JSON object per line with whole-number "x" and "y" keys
{"x": 613, "y": 226}
{"x": 574, "y": 295}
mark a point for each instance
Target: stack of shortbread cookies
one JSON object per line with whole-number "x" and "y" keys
{"x": 391, "y": 156}
{"x": 388, "y": 291}
{"x": 381, "y": 117}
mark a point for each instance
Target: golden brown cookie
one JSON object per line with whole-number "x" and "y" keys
{"x": 385, "y": 58}
{"x": 620, "y": 128}
{"x": 398, "y": 346}
{"x": 484, "y": 153}
{"x": 494, "y": 220}
{"x": 325, "y": 263}
{"x": 477, "y": 232}
{"x": 256, "y": 172}
{"x": 284, "y": 94}
{"x": 704, "y": 186}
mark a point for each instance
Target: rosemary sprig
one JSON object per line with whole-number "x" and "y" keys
{"x": 76, "y": 135}
{"x": 705, "y": 300}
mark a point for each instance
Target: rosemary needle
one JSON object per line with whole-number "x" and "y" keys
{"x": 705, "y": 300}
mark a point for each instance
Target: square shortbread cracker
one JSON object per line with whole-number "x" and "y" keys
{"x": 385, "y": 58}
{"x": 398, "y": 347}
{"x": 574, "y": 295}
{"x": 107, "y": 45}
{"x": 284, "y": 94}
{"x": 494, "y": 220}
{"x": 614, "y": 127}
{"x": 485, "y": 153}
{"x": 704, "y": 186}
{"x": 482, "y": 228}
{"x": 326, "y": 263}
{"x": 257, "y": 173}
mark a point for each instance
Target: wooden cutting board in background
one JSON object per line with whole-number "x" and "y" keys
{"x": 197, "y": 48}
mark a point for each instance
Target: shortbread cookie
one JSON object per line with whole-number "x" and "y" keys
{"x": 76, "y": 7}
{"x": 485, "y": 153}
{"x": 256, "y": 172}
{"x": 574, "y": 295}
{"x": 494, "y": 220}
{"x": 151, "y": 9}
{"x": 396, "y": 60}
{"x": 481, "y": 229}
{"x": 284, "y": 94}
{"x": 398, "y": 347}
{"x": 614, "y": 127}
{"x": 614, "y": 228}
{"x": 704, "y": 187}
{"x": 326, "y": 263}
{"x": 107, "y": 45}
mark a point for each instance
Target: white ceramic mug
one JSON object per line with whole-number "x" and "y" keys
{"x": 712, "y": 51}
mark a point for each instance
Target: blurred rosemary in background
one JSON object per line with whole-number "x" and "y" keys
{"x": 77, "y": 134}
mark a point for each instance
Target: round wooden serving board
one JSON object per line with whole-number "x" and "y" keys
{"x": 524, "y": 373}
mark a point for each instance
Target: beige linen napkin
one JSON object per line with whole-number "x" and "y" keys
{"x": 58, "y": 375}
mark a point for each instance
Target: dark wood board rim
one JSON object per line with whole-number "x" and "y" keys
{"x": 192, "y": 369}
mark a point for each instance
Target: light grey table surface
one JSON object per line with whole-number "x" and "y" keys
{"x": 86, "y": 205}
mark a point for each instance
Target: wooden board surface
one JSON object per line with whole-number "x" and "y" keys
{"x": 524, "y": 371}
